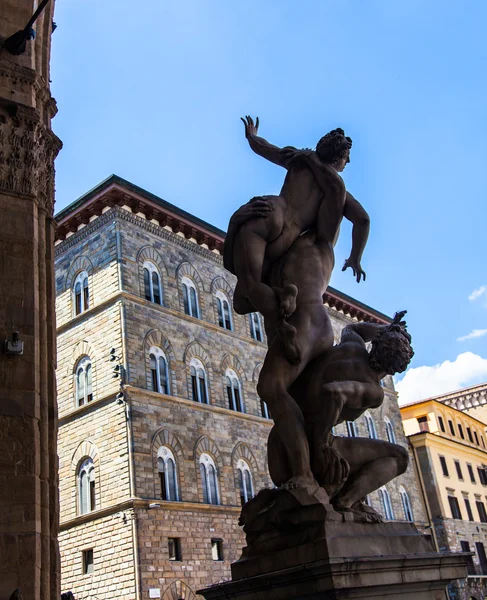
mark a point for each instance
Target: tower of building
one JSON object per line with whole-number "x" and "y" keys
{"x": 162, "y": 437}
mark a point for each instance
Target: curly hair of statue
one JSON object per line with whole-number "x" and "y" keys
{"x": 333, "y": 146}
{"x": 391, "y": 350}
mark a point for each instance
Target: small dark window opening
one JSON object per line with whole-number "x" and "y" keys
{"x": 442, "y": 425}
{"x": 460, "y": 429}
{"x": 476, "y": 438}
{"x": 444, "y": 468}
{"x": 423, "y": 424}
{"x": 471, "y": 473}
{"x": 217, "y": 549}
{"x": 174, "y": 548}
{"x": 87, "y": 561}
{"x": 481, "y": 509}
{"x": 459, "y": 470}
{"x": 454, "y": 507}
{"x": 482, "y": 475}
{"x": 451, "y": 426}
{"x": 469, "y": 509}
{"x": 470, "y": 566}
{"x": 469, "y": 433}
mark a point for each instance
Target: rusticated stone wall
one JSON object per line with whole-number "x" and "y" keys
{"x": 28, "y": 421}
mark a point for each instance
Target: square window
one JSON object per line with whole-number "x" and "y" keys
{"x": 217, "y": 549}
{"x": 174, "y": 548}
{"x": 87, "y": 561}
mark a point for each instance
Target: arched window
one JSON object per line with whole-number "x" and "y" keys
{"x": 84, "y": 383}
{"x": 266, "y": 413}
{"x": 224, "y": 311}
{"x": 190, "y": 298}
{"x": 166, "y": 466}
{"x": 86, "y": 486}
{"x": 159, "y": 368}
{"x": 234, "y": 392}
{"x": 256, "y": 327}
{"x": 81, "y": 293}
{"x": 152, "y": 283}
{"x": 209, "y": 480}
{"x": 244, "y": 481}
{"x": 372, "y": 431}
{"x": 385, "y": 499}
{"x": 199, "y": 384}
{"x": 351, "y": 429}
{"x": 406, "y": 504}
{"x": 391, "y": 435}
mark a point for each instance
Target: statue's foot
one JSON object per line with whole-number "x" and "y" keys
{"x": 301, "y": 482}
{"x": 362, "y": 513}
{"x": 292, "y": 351}
{"x": 286, "y": 299}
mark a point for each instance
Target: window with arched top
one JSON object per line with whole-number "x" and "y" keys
{"x": 199, "y": 382}
{"x": 406, "y": 504}
{"x": 81, "y": 293}
{"x": 386, "y": 502}
{"x": 84, "y": 382}
{"x": 234, "y": 391}
{"x": 86, "y": 487}
{"x": 159, "y": 368}
{"x": 152, "y": 283}
{"x": 264, "y": 409}
{"x": 256, "y": 329}
{"x": 209, "y": 480}
{"x": 224, "y": 311}
{"x": 190, "y": 298}
{"x": 351, "y": 429}
{"x": 391, "y": 434}
{"x": 168, "y": 479}
{"x": 371, "y": 429}
{"x": 244, "y": 481}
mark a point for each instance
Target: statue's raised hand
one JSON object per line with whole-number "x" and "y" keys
{"x": 251, "y": 128}
{"x": 398, "y": 318}
{"x": 356, "y": 267}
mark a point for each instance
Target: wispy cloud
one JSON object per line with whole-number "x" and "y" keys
{"x": 423, "y": 382}
{"x": 476, "y": 333}
{"x": 478, "y": 293}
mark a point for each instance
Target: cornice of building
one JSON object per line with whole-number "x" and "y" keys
{"x": 413, "y": 405}
{"x": 145, "y": 503}
{"x": 162, "y": 218}
{"x": 427, "y": 438}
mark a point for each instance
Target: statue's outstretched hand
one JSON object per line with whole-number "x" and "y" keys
{"x": 251, "y": 129}
{"x": 356, "y": 267}
{"x": 398, "y": 319}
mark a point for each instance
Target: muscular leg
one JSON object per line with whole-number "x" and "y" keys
{"x": 314, "y": 335}
{"x": 373, "y": 463}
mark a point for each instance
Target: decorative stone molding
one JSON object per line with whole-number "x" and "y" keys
{"x": 241, "y": 450}
{"x": 156, "y": 338}
{"x": 206, "y": 444}
{"x": 27, "y": 152}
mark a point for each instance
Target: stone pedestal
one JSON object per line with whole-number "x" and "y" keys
{"x": 348, "y": 560}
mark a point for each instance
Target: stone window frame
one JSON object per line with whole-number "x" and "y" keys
{"x": 386, "y": 503}
{"x": 165, "y": 438}
{"x": 156, "y": 339}
{"x": 371, "y": 428}
{"x": 86, "y": 450}
{"x": 233, "y": 387}
{"x": 256, "y": 326}
{"x": 206, "y": 445}
{"x": 391, "y": 434}
{"x": 406, "y": 504}
{"x": 208, "y": 472}
{"x": 230, "y": 362}
{"x": 151, "y": 269}
{"x": 149, "y": 256}
{"x": 351, "y": 427}
{"x": 245, "y": 481}
{"x": 179, "y": 589}
{"x": 87, "y": 493}
{"x": 81, "y": 280}
{"x": 83, "y": 368}
{"x": 222, "y": 301}
{"x": 159, "y": 355}
{"x": 165, "y": 455}
{"x": 196, "y": 368}
{"x": 195, "y": 350}
{"x": 80, "y": 268}
{"x": 242, "y": 453}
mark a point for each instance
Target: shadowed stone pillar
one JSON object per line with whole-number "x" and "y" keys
{"x": 29, "y": 557}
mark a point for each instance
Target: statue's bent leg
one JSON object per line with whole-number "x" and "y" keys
{"x": 373, "y": 463}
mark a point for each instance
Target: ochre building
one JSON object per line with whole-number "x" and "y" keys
{"x": 161, "y": 434}
{"x": 449, "y": 447}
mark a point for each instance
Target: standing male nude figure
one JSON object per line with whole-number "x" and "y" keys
{"x": 313, "y": 196}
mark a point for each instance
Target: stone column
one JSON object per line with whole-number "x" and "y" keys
{"x": 29, "y": 514}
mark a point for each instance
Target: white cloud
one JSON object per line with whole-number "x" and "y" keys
{"x": 476, "y": 333}
{"x": 478, "y": 292}
{"x": 423, "y": 382}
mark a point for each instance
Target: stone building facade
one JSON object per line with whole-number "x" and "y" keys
{"x": 153, "y": 473}
{"x": 450, "y": 449}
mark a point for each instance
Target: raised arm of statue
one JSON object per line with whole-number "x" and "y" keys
{"x": 356, "y": 213}
{"x": 364, "y": 332}
{"x": 274, "y": 154}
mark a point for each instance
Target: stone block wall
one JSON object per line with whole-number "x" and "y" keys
{"x": 111, "y": 539}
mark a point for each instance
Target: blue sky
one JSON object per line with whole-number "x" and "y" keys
{"x": 153, "y": 92}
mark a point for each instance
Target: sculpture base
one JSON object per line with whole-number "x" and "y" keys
{"x": 349, "y": 560}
